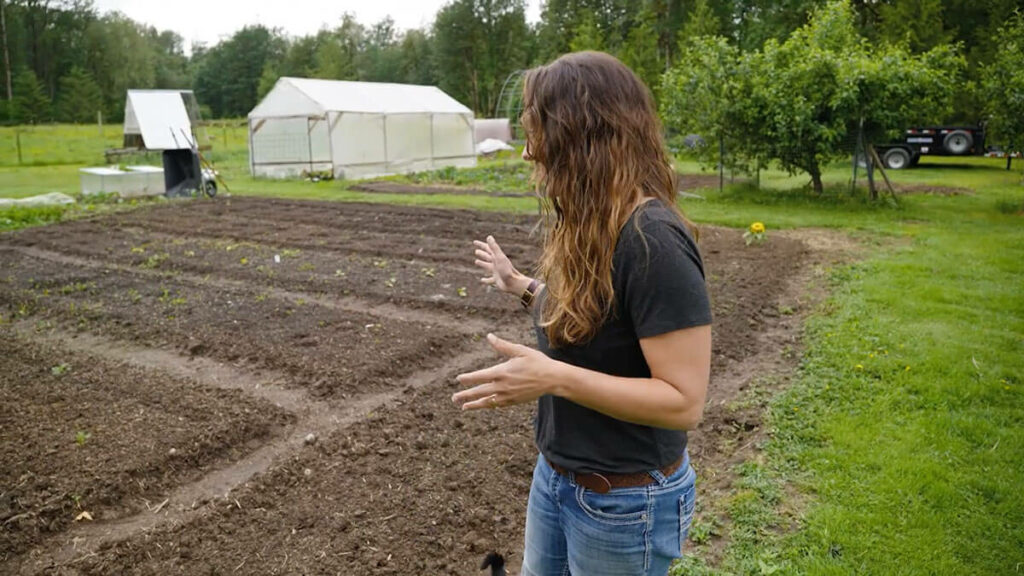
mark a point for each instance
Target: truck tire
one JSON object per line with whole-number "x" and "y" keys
{"x": 958, "y": 142}
{"x": 896, "y": 159}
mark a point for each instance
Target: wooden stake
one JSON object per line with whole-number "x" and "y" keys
{"x": 874, "y": 157}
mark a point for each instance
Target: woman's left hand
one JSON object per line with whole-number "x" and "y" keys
{"x": 527, "y": 375}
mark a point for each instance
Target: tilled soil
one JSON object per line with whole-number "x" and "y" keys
{"x": 234, "y": 324}
{"x": 360, "y": 296}
{"x": 78, "y": 434}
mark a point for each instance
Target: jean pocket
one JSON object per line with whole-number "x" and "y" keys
{"x": 620, "y": 509}
{"x": 687, "y": 504}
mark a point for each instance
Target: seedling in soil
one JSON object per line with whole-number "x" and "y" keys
{"x": 429, "y": 272}
{"x": 390, "y": 282}
{"x": 243, "y": 261}
{"x": 81, "y": 437}
{"x": 137, "y": 250}
{"x": 339, "y": 273}
{"x": 380, "y": 263}
{"x": 153, "y": 261}
{"x": 261, "y": 297}
{"x": 76, "y": 287}
{"x": 462, "y": 292}
{"x": 306, "y": 267}
{"x": 290, "y": 253}
{"x": 190, "y": 253}
{"x": 60, "y": 369}
{"x": 134, "y": 295}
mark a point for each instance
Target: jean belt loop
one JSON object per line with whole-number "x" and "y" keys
{"x": 658, "y": 477}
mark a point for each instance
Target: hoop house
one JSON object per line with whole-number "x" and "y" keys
{"x": 357, "y": 129}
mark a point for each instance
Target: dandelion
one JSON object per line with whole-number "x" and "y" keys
{"x": 907, "y": 369}
{"x": 859, "y": 366}
{"x": 755, "y": 233}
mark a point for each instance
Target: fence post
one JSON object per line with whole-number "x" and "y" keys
{"x": 99, "y": 120}
{"x": 721, "y": 162}
{"x": 17, "y": 141}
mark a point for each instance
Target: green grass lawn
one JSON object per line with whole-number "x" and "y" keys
{"x": 899, "y": 448}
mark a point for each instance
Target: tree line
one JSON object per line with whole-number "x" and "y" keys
{"x": 65, "y": 61}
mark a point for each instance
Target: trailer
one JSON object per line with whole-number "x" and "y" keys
{"x": 932, "y": 141}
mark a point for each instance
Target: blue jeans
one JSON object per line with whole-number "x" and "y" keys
{"x": 626, "y": 532}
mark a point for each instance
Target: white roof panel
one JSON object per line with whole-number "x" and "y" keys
{"x": 162, "y": 119}
{"x": 363, "y": 97}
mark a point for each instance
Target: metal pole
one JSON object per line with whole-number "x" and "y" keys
{"x": 309, "y": 145}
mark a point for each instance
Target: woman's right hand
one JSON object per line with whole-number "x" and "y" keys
{"x": 499, "y": 270}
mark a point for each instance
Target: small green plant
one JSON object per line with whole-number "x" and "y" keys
{"x": 81, "y": 437}
{"x": 380, "y": 263}
{"x": 290, "y": 253}
{"x": 339, "y": 273}
{"x": 60, "y": 369}
{"x": 138, "y": 250}
{"x": 243, "y": 261}
{"x": 429, "y": 272}
{"x": 462, "y": 292}
{"x": 134, "y": 295}
{"x": 154, "y": 261}
{"x": 306, "y": 267}
{"x": 390, "y": 282}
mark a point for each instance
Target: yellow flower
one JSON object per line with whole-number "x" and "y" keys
{"x": 859, "y": 367}
{"x": 757, "y": 228}
{"x": 908, "y": 369}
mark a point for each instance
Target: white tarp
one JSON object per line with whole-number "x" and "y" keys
{"x": 357, "y": 129}
{"x": 160, "y": 117}
{"x": 51, "y": 199}
{"x": 491, "y": 145}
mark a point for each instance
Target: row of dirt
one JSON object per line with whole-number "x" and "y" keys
{"x": 333, "y": 352}
{"x": 344, "y": 301}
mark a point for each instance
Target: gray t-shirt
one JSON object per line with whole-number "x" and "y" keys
{"x": 658, "y": 277}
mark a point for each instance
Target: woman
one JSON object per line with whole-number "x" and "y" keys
{"x": 623, "y": 329}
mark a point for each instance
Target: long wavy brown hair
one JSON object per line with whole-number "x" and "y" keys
{"x": 598, "y": 150}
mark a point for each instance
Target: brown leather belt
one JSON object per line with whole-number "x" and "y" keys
{"x": 602, "y": 483}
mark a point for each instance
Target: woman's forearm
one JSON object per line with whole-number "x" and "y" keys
{"x": 646, "y": 401}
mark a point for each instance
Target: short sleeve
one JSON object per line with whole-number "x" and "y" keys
{"x": 661, "y": 286}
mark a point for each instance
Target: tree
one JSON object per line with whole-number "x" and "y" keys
{"x": 587, "y": 36}
{"x": 1003, "y": 85}
{"x": 640, "y": 51}
{"x": 30, "y": 104}
{"x": 477, "y": 44}
{"x": 802, "y": 101}
{"x": 916, "y": 22}
{"x": 228, "y": 75}
{"x": 698, "y": 95}
{"x": 701, "y": 22}
{"x": 7, "y": 52}
{"x": 78, "y": 98}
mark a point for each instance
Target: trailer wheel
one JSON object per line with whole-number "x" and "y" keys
{"x": 896, "y": 159}
{"x": 210, "y": 188}
{"x": 958, "y": 142}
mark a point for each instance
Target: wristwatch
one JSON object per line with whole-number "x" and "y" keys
{"x": 530, "y": 293}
